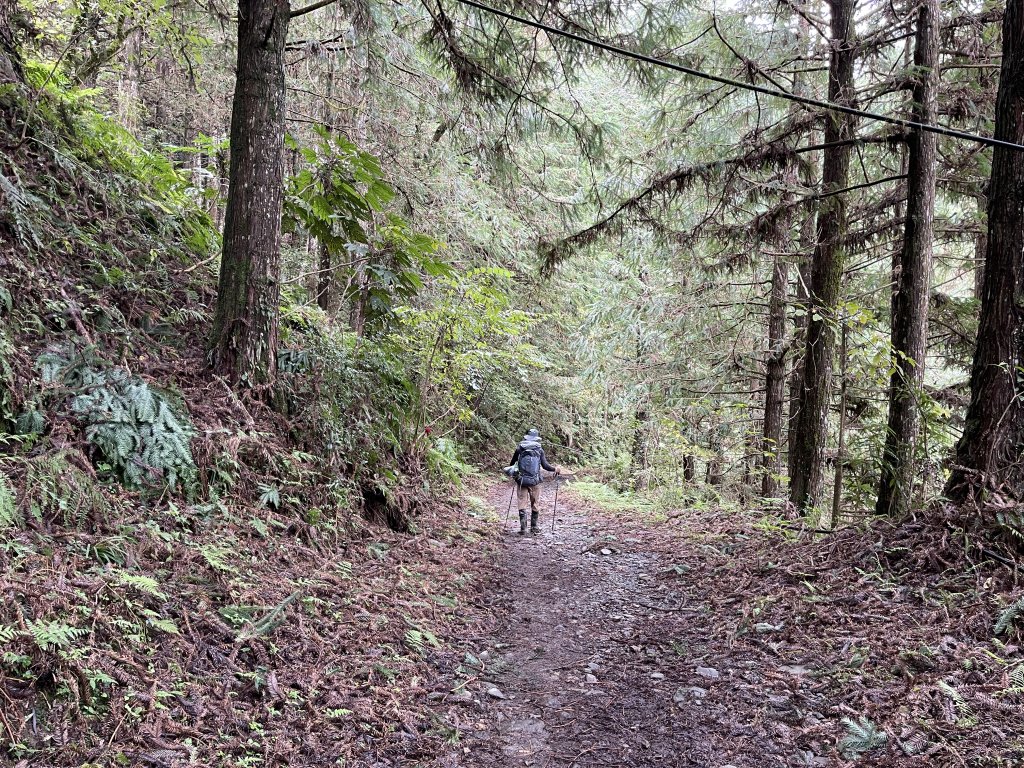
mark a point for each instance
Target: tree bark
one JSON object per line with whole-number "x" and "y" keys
{"x": 910, "y": 300}
{"x": 980, "y": 245}
{"x": 243, "y": 344}
{"x": 639, "y": 459}
{"x": 800, "y": 307}
{"x": 638, "y": 451}
{"x": 689, "y": 467}
{"x": 775, "y": 380}
{"x": 837, "y": 480}
{"x": 807, "y": 484}
{"x": 10, "y": 58}
{"x": 988, "y": 453}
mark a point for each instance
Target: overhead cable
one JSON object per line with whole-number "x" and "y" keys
{"x": 819, "y": 103}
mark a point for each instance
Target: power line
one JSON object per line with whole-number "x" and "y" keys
{"x": 827, "y": 105}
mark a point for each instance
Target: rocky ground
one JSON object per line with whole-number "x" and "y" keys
{"x": 699, "y": 641}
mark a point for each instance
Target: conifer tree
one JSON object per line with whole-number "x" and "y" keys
{"x": 243, "y": 345}
{"x": 809, "y": 442}
{"x": 910, "y": 298}
{"x": 989, "y": 451}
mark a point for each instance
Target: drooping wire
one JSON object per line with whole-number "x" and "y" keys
{"x": 806, "y": 100}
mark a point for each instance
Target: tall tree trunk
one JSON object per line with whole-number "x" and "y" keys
{"x": 639, "y": 458}
{"x": 800, "y": 314}
{"x": 10, "y": 58}
{"x": 638, "y": 451}
{"x": 327, "y": 279}
{"x": 837, "y": 480}
{"x": 989, "y": 449}
{"x": 807, "y": 483}
{"x": 910, "y": 300}
{"x": 808, "y": 177}
{"x": 245, "y": 326}
{"x": 775, "y": 379}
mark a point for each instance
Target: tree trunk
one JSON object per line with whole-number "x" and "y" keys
{"x": 800, "y": 307}
{"x": 10, "y": 58}
{"x": 689, "y": 467}
{"x": 639, "y": 458}
{"x": 910, "y": 300}
{"x": 775, "y": 380}
{"x": 837, "y": 480}
{"x": 989, "y": 449}
{"x": 638, "y": 451}
{"x": 980, "y": 245}
{"x": 245, "y": 326}
{"x": 807, "y": 483}
{"x": 128, "y": 87}
{"x": 327, "y": 279}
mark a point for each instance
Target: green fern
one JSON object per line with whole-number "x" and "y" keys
{"x": 861, "y": 736}
{"x": 8, "y": 504}
{"x": 270, "y": 496}
{"x": 1008, "y": 615}
{"x": 966, "y": 716}
{"x": 143, "y": 584}
{"x": 217, "y": 557}
{"x": 8, "y": 634}
{"x": 54, "y": 635}
{"x": 156, "y": 621}
{"x": 19, "y": 209}
{"x": 134, "y": 427}
{"x": 1011, "y": 522}
{"x": 1017, "y": 679}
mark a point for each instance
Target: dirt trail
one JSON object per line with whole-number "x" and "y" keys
{"x": 585, "y": 682}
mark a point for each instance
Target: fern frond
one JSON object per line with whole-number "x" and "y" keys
{"x": 54, "y": 635}
{"x": 134, "y": 427}
{"x": 144, "y": 584}
{"x": 1008, "y": 615}
{"x": 967, "y": 717}
{"x": 8, "y": 504}
{"x": 20, "y": 205}
{"x": 1017, "y": 677}
{"x": 861, "y": 736}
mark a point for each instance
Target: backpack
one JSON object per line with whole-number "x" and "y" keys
{"x": 529, "y": 465}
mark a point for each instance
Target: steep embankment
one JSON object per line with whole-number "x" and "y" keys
{"x": 173, "y": 642}
{"x": 186, "y": 577}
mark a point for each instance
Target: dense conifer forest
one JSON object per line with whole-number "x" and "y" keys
{"x": 284, "y": 286}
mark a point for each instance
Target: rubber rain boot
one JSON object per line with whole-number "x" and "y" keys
{"x": 522, "y": 522}
{"x": 534, "y": 529}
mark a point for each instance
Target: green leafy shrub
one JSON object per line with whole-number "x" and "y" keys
{"x": 445, "y": 464}
{"x": 138, "y": 433}
{"x": 355, "y": 400}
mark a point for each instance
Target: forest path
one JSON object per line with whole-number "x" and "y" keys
{"x": 587, "y": 676}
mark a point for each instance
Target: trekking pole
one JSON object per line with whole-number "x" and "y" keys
{"x": 509, "y": 512}
{"x": 554, "y": 511}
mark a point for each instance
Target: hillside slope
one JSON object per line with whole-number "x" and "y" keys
{"x": 187, "y": 576}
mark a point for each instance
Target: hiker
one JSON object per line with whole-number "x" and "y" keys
{"x": 527, "y": 462}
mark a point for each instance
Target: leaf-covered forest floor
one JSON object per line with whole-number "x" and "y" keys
{"x": 703, "y": 640}
{"x": 617, "y": 639}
